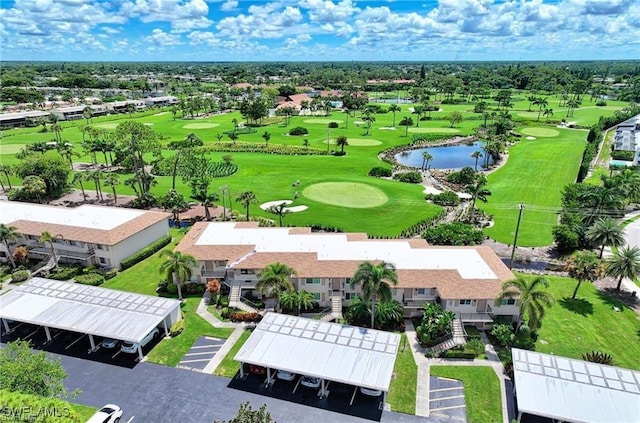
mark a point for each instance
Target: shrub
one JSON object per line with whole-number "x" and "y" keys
{"x": 598, "y": 357}
{"x": 456, "y": 233}
{"x": 601, "y": 102}
{"x": 524, "y": 339}
{"x": 163, "y": 286}
{"x": 503, "y": 333}
{"x": 446, "y": 198}
{"x": 333, "y": 125}
{"x": 410, "y": 177}
{"x": 298, "y": 130}
{"x": 459, "y": 354}
{"x": 33, "y": 409}
{"x": 476, "y": 346}
{"x": 224, "y": 312}
{"x": 567, "y": 240}
{"x": 623, "y": 155}
{"x": 464, "y": 176}
{"x": 222, "y": 169}
{"x": 252, "y": 147}
{"x": 194, "y": 288}
{"x": 145, "y": 252}
{"x": 177, "y": 328}
{"x": 93, "y": 279}
{"x": 20, "y": 275}
{"x": 111, "y": 273}
{"x": 380, "y": 172}
{"x": 172, "y": 288}
{"x": 243, "y": 316}
{"x": 64, "y": 273}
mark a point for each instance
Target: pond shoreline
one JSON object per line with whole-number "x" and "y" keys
{"x": 388, "y": 156}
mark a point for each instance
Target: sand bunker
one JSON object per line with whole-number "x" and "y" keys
{"x": 266, "y": 206}
{"x": 531, "y": 138}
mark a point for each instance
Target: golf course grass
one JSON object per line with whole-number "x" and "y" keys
{"x": 537, "y": 131}
{"x": 363, "y": 142}
{"x": 346, "y": 194}
{"x": 535, "y": 173}
{"x": 202, "y": 125}
{"x": 434, "y": 130}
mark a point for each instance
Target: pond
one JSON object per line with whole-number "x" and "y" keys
{"x": 445, "y": 157}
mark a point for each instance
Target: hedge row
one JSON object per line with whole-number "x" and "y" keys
{"x": 145, "y": 252}
{"x": 380, "y": 172}
{"x": 93, "y": 279}
{"x": 458, "y": 354}
{"x": 20, "y": 275}
{"x": 177, "y": 328}
{"x": 16, "y": 407}
{"x": 250, "y": 147}
{"x": 64, "y": 273}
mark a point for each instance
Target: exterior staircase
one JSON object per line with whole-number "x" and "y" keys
{"x": 235, "y": 300}
{"x": 336, "y": 310}
{"x": 457, "y": 338}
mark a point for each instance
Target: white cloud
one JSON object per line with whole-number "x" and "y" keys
{"x": 326, "y": 11}
{"x": 184, "y": 15}
{"x": 160, "y": 38}
{"x": 270, "y": 20}
{"x": 229, "y": 5}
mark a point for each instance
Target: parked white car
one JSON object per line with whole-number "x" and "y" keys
{"x": 370, "y": 392}
{"x": 132, "y": 347}
{"x": 109, "y": 343}
{"x": 310, "y": 382}
{"x": 284, "y": 375}
{"x": 110, "y": 413}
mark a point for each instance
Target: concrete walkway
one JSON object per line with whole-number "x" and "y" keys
{"x": 424, "y": 363}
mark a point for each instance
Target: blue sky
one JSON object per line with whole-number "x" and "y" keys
{"x": 303, "y": 30}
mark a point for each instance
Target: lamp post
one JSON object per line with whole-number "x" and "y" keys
{"x": 224, "y": 189}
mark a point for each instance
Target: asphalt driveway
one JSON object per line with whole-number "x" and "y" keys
{"x": 202, "y": 351}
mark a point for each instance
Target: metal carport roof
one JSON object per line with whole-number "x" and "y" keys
{"x": 572, "y": 390}
{"x": 330, "y": 351}
{"x": 86, "y": 309}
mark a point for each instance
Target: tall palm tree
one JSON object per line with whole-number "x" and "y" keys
{"x": 276, "y": 279}
{"x": 541, "y": 102}
{"x": 297, "y": 300}
{"x": 547, "y": 113}
{"x": 177, "y": 267}
{"x": 368, "y": 118}
{"x": 375, "y": 282}
{"x": 266, "y": 137}
{"x": 246, "y": 199}
{"x": 476, "y": 155}
{"x": 394, "y": 108}
{"x": 426, "y": 158}
{"x": 477, "y": 191}
{"x": 112, "y": 179}
{"x": 418, "y": 111}
{"x": 8, "y": 235}
{"x": 47, "y": 237}
{"x": 79, "y": 178}
{"x": 606, "y": 232}
{"x": 281, "y": 210}
{"x": 7, "y": 171}
{"x": 342, "y": 141}
{"x": 406, "y": 122}
{"x": 584, "y": 266}
{"x": 532, "y": 299}
{"x": 625, "y": 263}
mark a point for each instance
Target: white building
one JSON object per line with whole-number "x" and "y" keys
{"x": 465, "y": 280}
{"x": 627, "y": 138}
{"x": 98, "y": 235}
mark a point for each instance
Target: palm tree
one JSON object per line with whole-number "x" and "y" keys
{"x": 547, "y": 113}
{"x": 476, "y": 155}
{"x": 532, "y": 299}
{"x": 388, "y": 311}
{"x": 606, "y": 232}
{"x": 297, "y": 300}
{"x": 281, "y": 210}
{"x": 406, "y": 122}
{"x": 266, "y": 136}
{"x": 246, "y": 199}
{"x": 79, "y": 178}
{"x": 276, "y": 279}
{"x": 112, "y": 179}
{"x": 7, "y": 171}
{"x": 368, "y": 117}
{"x": 233, "y": 137}
{"x": 584, "y": 266}
{"x": 393, "y": 109}
{"x": 87, "y": 113}
{"x": 47, "y": 237}
{"x": 541, "y": 102}
{"x": 342, "y": 141}
{"x": 375, "y": 281}
{"x": 625, "y": 263}
{"x": 477, "y": 191}
{"x": 426, "y": 158}
{"x": 418, "y": 110}
{"x": 177, "y": 267}
{"x": 8, "y": 235}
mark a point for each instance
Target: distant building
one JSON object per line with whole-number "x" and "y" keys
{"x": 627, "y": 138}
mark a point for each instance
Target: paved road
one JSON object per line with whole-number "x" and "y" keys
{"x": 201, "y": 353}
{"x": 155, "y": 394}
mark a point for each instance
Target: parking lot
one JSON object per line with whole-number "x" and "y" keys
{"x": 339, "y": 399}
{"x": 71, "y": 344}
{"x": 202, "y": 351}
{"x": 446, "y": 399}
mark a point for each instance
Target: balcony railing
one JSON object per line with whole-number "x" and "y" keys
{"x": 418, "y": 303}
{"x": 64, "y": 253}
{"x": 476, "y": 317}
{"x": 213, "y": 273}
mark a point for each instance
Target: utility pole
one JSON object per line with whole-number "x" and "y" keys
{"x": 224, "y": 207}
{"x": 515, "y": 238}
{"x": 328, "y": 135}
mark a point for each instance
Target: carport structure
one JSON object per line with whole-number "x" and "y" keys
{"x": 88, "y": 310}
{"x": 570, "y": 390}
{"x": 329, "y": 351}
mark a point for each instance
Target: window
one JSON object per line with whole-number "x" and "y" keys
{"x": 508, "y": 301}
{"x": 102, "y": 247}
{"x": 104, "y": 261}
{"x": 313, "y": 281}
{"x": 350, "y": 296}
{"x": 466, "y": 302}
{"x": 317, "y": 296}
{"x": 424, "y": 291}
{"x": 246, "y": 271}
{"x": 220, "y": 263}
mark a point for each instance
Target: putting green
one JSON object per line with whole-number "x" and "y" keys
{"x": 434, "y": 130}
{"x": 10, "y": 148}
{"x": 108, "y": 125}
{"x": 529, "y": 114}
{"x": 346, "y": 194}
{"x": 360, "y": 142}
{"x": 322, "y": 121}
{"x": 203, "y": 125}
{"x": 540, "y": 132}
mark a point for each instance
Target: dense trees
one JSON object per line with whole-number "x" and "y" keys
{"x": 375, "y": 281}
{"x": 177, "y": 268}
{"x": 276, "y": 279}
{"x": 531, "y": 297}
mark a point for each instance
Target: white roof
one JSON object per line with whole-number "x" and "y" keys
{"x": 574, "y": 390}
{"x": 468, "y": 262}
{"x": 85, "y": 216}
{"x": 331, "y": 351}
{"x": 86, "y": 309}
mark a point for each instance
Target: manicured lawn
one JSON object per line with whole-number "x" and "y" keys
{"x": 143, "y": 278}
{"x": 402, "y": 392}
{"x": 229, "y": 367}
{"x": 574, "y": 327}
{"x": 535, "y": 173}
{"x": 170, "y": 351}
{"x": 481, "y": 390}
{"x": 83, "y": 412}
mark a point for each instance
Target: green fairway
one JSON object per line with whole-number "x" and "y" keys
{"x": 201, "y": 125}
{"x": 540, "y": 132}
{"x": 434, "y": 130}
{"x": 346, "y": 194}
{"x": 535, "y": 173}
{"x": 363, "y": 142}
{"x": 589, "y": 323}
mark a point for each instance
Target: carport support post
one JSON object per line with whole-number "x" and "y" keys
{"x": 322, "y": 389}
{"x": 6, "y": 326}
{"x": 93, "y": 344}
{"x": 241, "y": 370}
{"x": 140, "y": 356}
{"x": 268, "y": 376}
{"x": 46, "y": 330}
{"x": 166, "y": 329}
{"x": 384, "y": 399}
